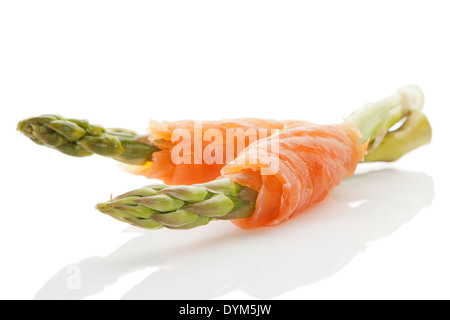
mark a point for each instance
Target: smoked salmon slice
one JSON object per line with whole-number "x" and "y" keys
{"x": 311, "y": 160}
{"x": 162, "y": 166}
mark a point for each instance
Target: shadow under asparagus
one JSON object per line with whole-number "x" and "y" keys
{"x": 265, "y": 262}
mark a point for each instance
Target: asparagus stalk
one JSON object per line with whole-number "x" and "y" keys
{"x": 375, "y": 119}
{"x": 182, "y": 207}
{"x": 185, "y": 207}
{"x": 80, "y": 139}
{"x": 415, "y": 132}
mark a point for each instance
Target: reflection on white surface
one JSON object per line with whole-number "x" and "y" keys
{"x": 210, "y": 262}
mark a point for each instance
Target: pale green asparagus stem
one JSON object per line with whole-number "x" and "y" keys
{"x": 182, "y": 207}
{"x": 415, "y": 132}
{"x": 79, "y": 138}
{"x": 375, "y": 119}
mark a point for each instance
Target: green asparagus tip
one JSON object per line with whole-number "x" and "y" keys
{"x": 78, "y": 138}
{"x": 182, "y": 207}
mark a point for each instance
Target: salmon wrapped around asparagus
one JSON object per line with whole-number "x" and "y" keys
{"x": 167, "y": 135}
{"x": 149, "y": 155}
{"x": 278, "y": 176}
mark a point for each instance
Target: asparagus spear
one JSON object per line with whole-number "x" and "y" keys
{"x": 80, "y": 139}
{"x": 184, "y": 207}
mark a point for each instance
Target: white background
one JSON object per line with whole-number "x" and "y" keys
{"x": 382, "y": 234}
